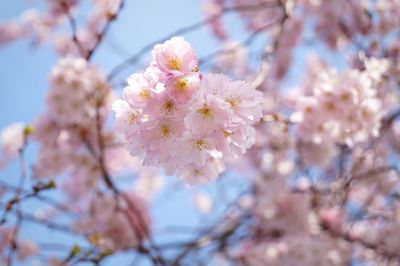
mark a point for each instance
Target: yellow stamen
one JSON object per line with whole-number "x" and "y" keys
{"x": 166, "y": 131}
{"x": 201, "y": 144}
{"x": 227, "y": 134}
{"x": 168, "y": 107}
{"x": 182, "y": 85}
{"x": 234, "y": 101}
{"x": 206, "y": 111}
{"x": 197, "y": 172}
{"x": 174, "y": 63}
{"x": 330, "y": 106}
{"x": 345, "y": 97}
{"x": 145, "y": 93}
{"x": 132, "y": 118}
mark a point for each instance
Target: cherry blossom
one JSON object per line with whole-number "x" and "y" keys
{"x": 12, "y": 140}
{"x": 109, "y": 229}
{"x": 208, "y": 116}
{"x": 340, "y": 104}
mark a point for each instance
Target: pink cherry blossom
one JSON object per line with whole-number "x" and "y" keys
{"x": 175, "y": 56}
{"x": 203, "y": 202}
{"x": 182, "y": 88}
{"x": 12, "y": 139}
{"x": 108, "y": 227}
{"x": 342, "y": 107}
{"x": 72, "y": 81}
{"x": 208, "y": 114}
{"x": 209, "y": 117}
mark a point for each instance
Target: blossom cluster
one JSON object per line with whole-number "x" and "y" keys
{"x": 300, "y": 250}
{"x": 110, "y": 229}
{"x": 189, "y": 123}
{"x": 287, "y": 230}
{"x": 37, "y": 24}
{"x": 30, "y": 23}
{"x": 329, "y": 24}
{"x": 69, "y": 123}
{"x": 73, "y": 81}
{"x": 44, "y": 25}
{"x": 79, "y": 101}
{"x": 87, "y": 35}
{"x": 341, "y": 107}
{"x": 69, "y": 133}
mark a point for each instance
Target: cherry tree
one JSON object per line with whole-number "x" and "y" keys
{"x": 284, "y": 140}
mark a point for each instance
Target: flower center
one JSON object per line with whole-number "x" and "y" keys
{"x": 182, "y": 85}
{"x": 330, "y": 106}
{"x": 201, "y": 144}
{"x": 345, "y": 97}
{"x": 197, "y": 172}
{"x": 145, "y": 93}
{"x": 234, "y": 101}
{"x": 168, "y": 107}
{"x": 174, "y": 63}
{"x": 309, "y": 109}
{"x": 166, "y": 131}
{"x": 227, "y": 134}
{"x": 132, "y": 118}
{"x": 206, "y": 111}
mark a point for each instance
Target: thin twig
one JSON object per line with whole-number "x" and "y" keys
{"x": 72, "y": 23}
{"x": 100, "y": 36}
{"x": 138, "y": 55}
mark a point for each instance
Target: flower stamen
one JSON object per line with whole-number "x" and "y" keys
{"x": 206, "y": 111}
{"x": 174, "y": 63}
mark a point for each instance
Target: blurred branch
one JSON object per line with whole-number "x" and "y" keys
{"x": 263, "y": 73}
{"x": 72, "y": 23}
{"x": 245, "y": 42}
{"x": 45, "y": 223}
{"x": 138, "y": 55}
{"x": 35, "y": 194}
{"x": 155, "y": 258}
{"x": 18, "y": 223}
{"x": 101, "y": 35}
